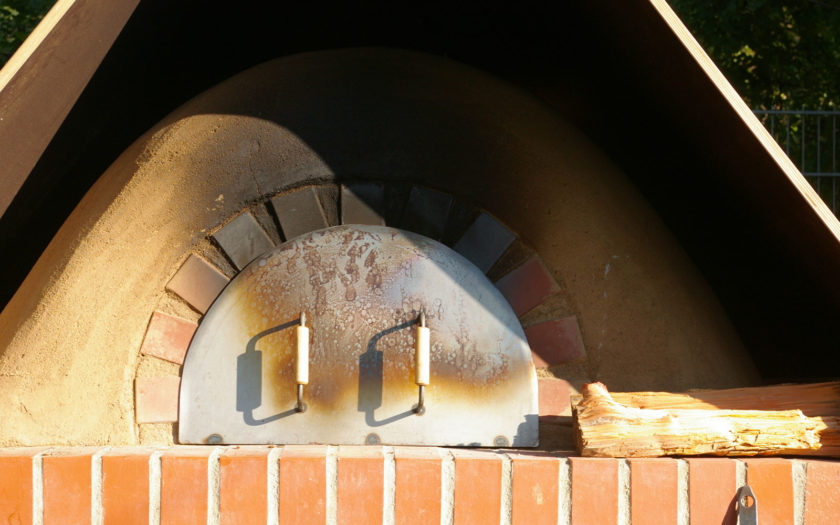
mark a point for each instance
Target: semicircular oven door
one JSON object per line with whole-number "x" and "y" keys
{"x": 254, "y": 375}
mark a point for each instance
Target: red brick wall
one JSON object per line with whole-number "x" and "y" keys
{"x": 397, "y": 485}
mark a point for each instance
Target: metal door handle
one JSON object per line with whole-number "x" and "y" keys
{"x": 421, "y": 362}
{"x": 302, "y": 361}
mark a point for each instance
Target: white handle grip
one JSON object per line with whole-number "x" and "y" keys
{"x": 302, "y": 360}
{"x": 421, "y": 356}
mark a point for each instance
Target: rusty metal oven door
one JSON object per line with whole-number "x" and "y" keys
{"x": 354, "y": 371}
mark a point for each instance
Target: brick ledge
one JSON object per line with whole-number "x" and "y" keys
{"x": 318, "y": 484}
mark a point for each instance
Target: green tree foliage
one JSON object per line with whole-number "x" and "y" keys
{"x": 17, "y": 19}
{"x": 777, "y": 53}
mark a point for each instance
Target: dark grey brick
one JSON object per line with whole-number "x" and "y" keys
{"x": 461, "y": 216}
{"x": 426, "y": 212}
{"x": 362, "y": 204}
{"x": 485, "y": 241}
{"x": 396, "y": 197}
{"x": 299, "y": 212}
{"x": 243, "y": 240}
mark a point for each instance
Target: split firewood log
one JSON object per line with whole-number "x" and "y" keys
{"x": 607, "y": 428}
{"x": 813, "y": 399}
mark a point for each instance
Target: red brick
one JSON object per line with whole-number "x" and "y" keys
{"x": 360, "y": 484}
{"x": 555, "y": 342}
{"x": 527, "y": 286}
{"x": 183, "y": 486}
{"x": 554, "y": 397}
{"x": 197, "y": 282}
{"x": 168, "y": 337}
{"x": 243, "y": 477}
{"x": 594, "y": 491}
{"x": 654, "y": 489}
{"x": 712, "y": 485}
{"x": 822, "y": 492}
{"x": 156, "y": 399}
{"x": 417, "y": 485}
{"x": 478, "y": 486}
{"x": 125, "y": 487}
{"x": 16, "y": 485}
{"x": 67, "y": 487}
{"x": 303, "y": 485}
{"x": 535, "y": 489}
{"x": 771, "y": 479}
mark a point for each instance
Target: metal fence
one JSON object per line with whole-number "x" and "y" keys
{"x": 810, "y": 139}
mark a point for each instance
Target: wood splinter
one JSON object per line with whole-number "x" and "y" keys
{"x": 606, "y": 428}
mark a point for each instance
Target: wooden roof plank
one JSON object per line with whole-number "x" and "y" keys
{"x": 42, "y": 81}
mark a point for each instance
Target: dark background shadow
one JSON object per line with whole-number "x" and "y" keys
{"x": 249, "y": 379}
{"x": 371, "y": 380}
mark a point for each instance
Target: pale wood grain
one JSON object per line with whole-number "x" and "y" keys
{"x": 608, "y": 428}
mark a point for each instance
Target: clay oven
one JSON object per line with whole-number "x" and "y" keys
{"x": 555, "y": 194}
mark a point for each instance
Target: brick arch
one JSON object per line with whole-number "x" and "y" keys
{"x": 519, "y": 273}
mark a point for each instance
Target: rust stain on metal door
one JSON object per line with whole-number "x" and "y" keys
{"x": 362, "y": 289}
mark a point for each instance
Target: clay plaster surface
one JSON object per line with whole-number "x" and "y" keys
{"x": 70, "y": 337}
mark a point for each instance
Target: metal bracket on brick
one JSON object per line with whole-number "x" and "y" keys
{"x": 747, "y": 507}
